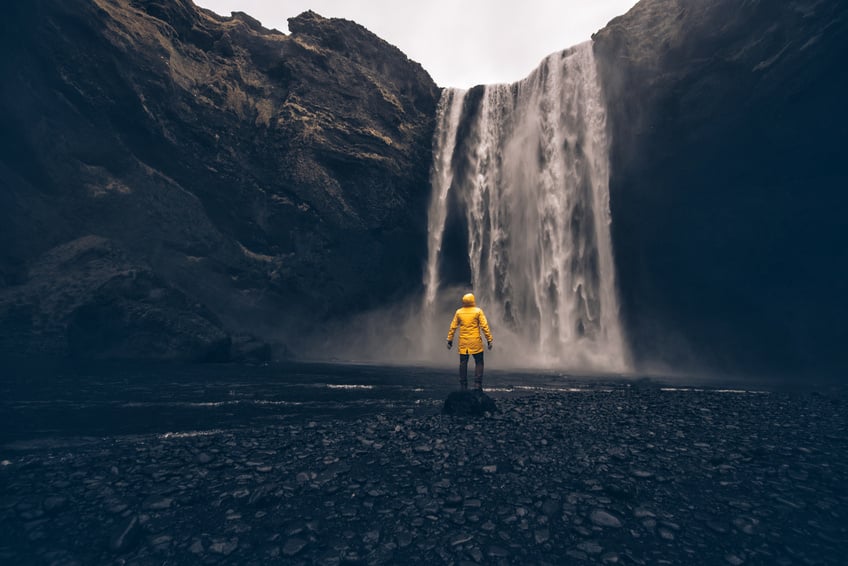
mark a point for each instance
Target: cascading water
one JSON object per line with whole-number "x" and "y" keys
{"x": 527, "y": 166}
{"x": 449, "y": 110}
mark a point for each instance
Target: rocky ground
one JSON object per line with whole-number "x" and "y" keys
{"x": 626, "y": 474}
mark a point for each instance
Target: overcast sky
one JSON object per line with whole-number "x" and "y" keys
{"x": 461, "y": 43}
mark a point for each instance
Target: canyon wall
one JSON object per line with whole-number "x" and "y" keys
{"x": 176, "y": 184}
{"x": 728, "y": 181}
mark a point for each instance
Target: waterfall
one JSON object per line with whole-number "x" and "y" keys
{"x": 441, "y": 177}
{"x": 526, "y": 166}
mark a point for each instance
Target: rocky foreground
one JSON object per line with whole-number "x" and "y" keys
{"x": 627, "y": 475}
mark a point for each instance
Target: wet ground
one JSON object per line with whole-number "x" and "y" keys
{"x": 320, "y": 464}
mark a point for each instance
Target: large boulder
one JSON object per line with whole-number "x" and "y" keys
{"x": 473, "y": 403}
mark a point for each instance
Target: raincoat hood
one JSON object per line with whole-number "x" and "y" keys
{"x": 468, "y": 300}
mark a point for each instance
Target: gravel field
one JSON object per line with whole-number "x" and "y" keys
{"x": 626, "y": 473}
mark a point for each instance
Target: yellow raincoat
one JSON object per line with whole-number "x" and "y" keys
{"x": 470, "y": 320}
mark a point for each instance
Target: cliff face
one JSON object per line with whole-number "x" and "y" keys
{"x": 171, "y": 179}
{"x": 207, "y": 175}
{"x": 728, "y": 188}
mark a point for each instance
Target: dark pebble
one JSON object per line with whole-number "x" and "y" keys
{"x": 126, "y": 535}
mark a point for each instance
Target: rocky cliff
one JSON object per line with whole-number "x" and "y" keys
{"x": 174, "y": 184}
{"x": 172, "y": 178}
{"x": 728, "y": 187}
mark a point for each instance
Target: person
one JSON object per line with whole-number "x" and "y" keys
{"x": 470, "y": 320}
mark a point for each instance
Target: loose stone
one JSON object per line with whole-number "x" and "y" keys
{"x": 603, "y": 518}
{"x": 293, "y": 546}
{"x": 223, "y": 547}
{"x": 126, "y": 535}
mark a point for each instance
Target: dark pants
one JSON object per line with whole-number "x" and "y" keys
{"x": 478, "y": 371}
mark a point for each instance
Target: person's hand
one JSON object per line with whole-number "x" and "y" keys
{"x": 449, "y": 344}
{"x": 490, "y": 344}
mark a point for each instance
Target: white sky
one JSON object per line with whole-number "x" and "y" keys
{"x": 461, "y": 43}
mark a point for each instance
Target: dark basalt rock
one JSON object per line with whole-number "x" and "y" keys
{"x": 276, "y": 180}
{"x": 534, "y": 484}
{"x": 89, "y": 300}
{"x": 248, "y": 349}
{"x": 469, "y": 403}
{"x": 126, "y": 535}
{"x": 728, "y": 123}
